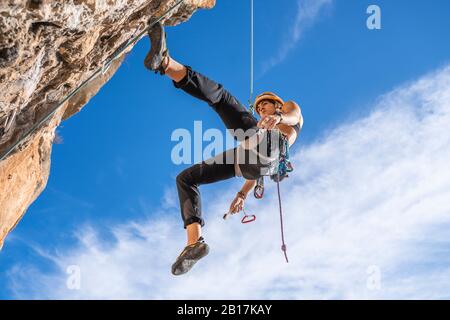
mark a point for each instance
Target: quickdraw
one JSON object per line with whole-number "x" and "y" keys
{"x": 247, "y": 218}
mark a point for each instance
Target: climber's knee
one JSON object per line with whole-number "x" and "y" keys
{"x": 184, "y": 177}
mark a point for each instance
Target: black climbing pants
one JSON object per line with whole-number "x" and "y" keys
{"x": 235, "y": 116}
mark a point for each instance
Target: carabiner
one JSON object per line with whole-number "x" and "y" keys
{"x": 258, "y": 192}
{"x": 248, "y": 218}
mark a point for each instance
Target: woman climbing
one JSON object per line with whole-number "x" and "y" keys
{"x": 274, "y": 114}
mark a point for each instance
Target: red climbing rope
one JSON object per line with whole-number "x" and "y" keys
{"x": 283, "y": 246}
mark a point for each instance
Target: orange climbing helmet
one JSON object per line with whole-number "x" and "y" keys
{"x": 267, "y": 96}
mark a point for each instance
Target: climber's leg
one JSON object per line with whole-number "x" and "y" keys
{"x": 194, "y": 232}
{"x": 174, "y": 70}
{"x": 233, "y": 114}
{"x": 188, "y": 181}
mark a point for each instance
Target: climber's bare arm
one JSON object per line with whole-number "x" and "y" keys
{"x": 238, "y": 203}
{"x": 248, "y": 186}
{"x": 292, "y": 114}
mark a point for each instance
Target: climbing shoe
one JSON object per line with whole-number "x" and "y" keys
{"x": 189, "y": 256}
{"x": 158, "y": 52}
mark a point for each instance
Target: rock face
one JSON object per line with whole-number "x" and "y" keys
{"x": 47, "y": 49}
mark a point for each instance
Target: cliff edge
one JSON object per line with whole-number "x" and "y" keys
{"x": 47, "y": 49}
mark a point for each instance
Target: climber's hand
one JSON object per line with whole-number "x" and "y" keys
{"x": 269, "y": 122}
{"x": 237, "y": 205}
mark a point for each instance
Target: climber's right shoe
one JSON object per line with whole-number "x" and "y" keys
{"x": 189, "y": 256}
{"x": 157, "y": 55}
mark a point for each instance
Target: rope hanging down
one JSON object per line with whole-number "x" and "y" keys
{"x": 100, "y": 70}
{"x": 284, "y": 165}
{"x": 250, "y": 99}
{"x": 283, "y": 246}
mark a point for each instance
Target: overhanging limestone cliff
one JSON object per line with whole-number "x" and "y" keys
{"x": 47, "y": 49}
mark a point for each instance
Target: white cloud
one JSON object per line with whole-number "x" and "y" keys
{"x": 308, "y": 11}
{"x": 373, "y": 192}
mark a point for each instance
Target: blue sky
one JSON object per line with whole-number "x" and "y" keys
{"x": 114, "y": 164}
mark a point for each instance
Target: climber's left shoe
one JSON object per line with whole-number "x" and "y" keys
{"x": 189, "y": 256}
{"x": 158, "y": 53}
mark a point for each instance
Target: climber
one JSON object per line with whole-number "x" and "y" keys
{"x": 274, "y": 114}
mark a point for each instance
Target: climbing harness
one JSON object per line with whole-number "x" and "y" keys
{"x": 102, "y": 70}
